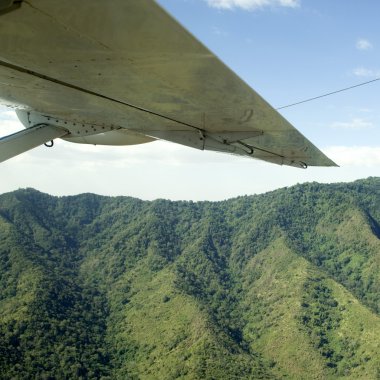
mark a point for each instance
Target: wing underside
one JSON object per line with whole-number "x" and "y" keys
{"x": 127, "y": 65}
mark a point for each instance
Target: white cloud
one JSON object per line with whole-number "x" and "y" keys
{"x": 353, "y": 124}
{"x": 363, "y": 44}
{"x": 358, "y": 156}
{"x": 7, "y": 114}
{"x": 365, "y": 110}
{"x": 9, "y": 126}
{"x": 367, "y": 73}
{"x": 165, "y": 170}
{"x": 219, "y": 32}
{"x": 252, "y": 4}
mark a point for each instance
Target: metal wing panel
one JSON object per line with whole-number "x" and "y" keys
{"x": 131, "y": 51}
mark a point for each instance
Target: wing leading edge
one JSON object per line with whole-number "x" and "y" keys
{"x": 125, "y": 72}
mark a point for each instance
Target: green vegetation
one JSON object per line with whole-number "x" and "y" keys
{"x": 280, "y": 285}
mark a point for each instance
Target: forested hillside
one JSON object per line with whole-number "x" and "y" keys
{"x": 284, "y": 285}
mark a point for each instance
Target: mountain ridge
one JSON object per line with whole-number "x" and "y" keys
{"x": 277, "y": 285}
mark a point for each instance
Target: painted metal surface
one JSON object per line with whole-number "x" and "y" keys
{"x": 128, "y": 64}
{"x": 11, "y": 146}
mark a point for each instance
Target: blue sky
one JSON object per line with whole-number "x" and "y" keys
{"x": 287, "y": 50}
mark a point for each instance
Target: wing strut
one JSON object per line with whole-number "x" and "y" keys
{"x": 27, "y": 139}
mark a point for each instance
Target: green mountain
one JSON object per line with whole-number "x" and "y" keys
{"x": 284, "y": 285}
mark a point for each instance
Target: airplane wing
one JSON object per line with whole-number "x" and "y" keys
{"x": 124, "y": 72}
